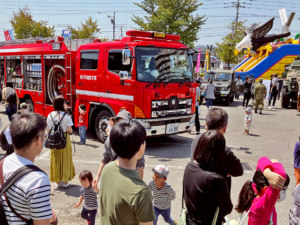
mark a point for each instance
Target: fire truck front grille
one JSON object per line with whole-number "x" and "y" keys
{"x": 171, "y": 107}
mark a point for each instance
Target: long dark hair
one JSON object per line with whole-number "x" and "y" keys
{"x": 210, "y": 151}
{"x": 247, "y": 193}
{"x": 58, "y": 103}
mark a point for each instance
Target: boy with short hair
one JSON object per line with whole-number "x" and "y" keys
{"x": 81, "y": 124}
{"x": 30, "y": 195}
{"x": 163, "y": 194}
{"x": 124, "y": 196}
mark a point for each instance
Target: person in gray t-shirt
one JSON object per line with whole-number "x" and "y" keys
{"x": 109, "y": 154}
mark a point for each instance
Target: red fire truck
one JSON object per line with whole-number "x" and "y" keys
{"x": 148, "y": 73}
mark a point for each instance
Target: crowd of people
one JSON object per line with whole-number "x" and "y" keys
{"x": 124, "y": 198}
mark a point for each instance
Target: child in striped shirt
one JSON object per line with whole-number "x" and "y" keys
{"x": 162, "y": 193}
{"x": 89, "y": 196}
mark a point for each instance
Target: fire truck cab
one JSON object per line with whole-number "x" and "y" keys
{"x": 149, "y": 74}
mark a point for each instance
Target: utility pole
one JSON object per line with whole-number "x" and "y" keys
{"x": 113, "y": 21}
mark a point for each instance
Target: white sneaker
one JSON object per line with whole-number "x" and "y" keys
{"x": 57, "y": 185}
{"x": 270, "y": 107}
{"x": 64, "y": 185}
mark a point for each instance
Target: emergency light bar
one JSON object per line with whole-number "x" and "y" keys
{"x": 136, "y": 33}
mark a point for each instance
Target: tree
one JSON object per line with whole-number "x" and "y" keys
{"x": 25, "y": 27}
{"x": 88, "y": 29}
{"x": 225, "y": 49}
{"x": 171, "y": 16}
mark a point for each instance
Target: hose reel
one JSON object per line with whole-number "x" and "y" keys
{"x": 56, "y": 82}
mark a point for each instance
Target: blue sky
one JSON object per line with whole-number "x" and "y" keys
{"x": 217, "y": 12}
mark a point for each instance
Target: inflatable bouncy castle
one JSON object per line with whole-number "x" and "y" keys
{"x": 267, "y": 53}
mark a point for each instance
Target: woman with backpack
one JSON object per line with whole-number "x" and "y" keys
{"x": 9, "y": 95}
{"x": 260, "y": 195}
{"x": 59, "y": 126}
{"x": 205, "y": 190}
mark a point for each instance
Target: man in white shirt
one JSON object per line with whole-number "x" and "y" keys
{"x": 30, "y": 195}
{"x": 273, "y": 90}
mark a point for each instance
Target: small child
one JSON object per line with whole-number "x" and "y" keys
{"x": 162, "y": 193}
{"x": 111, "y": 123}
{"x": 81, "y": 124}
{"x": 89, "y": 195}
{"x": 247, "y": 120}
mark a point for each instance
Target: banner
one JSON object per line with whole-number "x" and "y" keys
{"x": 8, "y": 35}
{"x": 207, "y": 62}
{"x": 198, "y": 61}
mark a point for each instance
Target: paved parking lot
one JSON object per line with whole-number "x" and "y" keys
{"x": 273, "y": 134}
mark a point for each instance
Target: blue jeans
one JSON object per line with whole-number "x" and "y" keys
{"x": 11, "y": 110}
{"x": 82, "y": 132}
{"x": 209, "y": 102}
{"x": 166, "y": 214}
{"x": 89, "y": 215}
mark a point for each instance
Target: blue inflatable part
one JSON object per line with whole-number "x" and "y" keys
{"x": 271, "y": 60}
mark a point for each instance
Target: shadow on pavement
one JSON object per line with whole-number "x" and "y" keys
{"x": 254, "y": 135}
{"x": 245, "y": 149}
{"x": 73, "y": 190}
{"x": 168, "y": 148}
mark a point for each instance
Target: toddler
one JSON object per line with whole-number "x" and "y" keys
{"x": 247, "y": 120}
{"x": 81, "y": 124}
{"x": 89, "y": 196}
{"x": 162, "y": 193}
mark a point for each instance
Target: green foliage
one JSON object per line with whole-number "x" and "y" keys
{"x": 225, "y": 49}
{"x": 25, "y": 27}
{"x": 88, "y": 29}
{"x": 171, "y": 16}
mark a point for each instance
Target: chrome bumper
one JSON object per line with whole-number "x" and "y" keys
{"x": 158, "y": 127}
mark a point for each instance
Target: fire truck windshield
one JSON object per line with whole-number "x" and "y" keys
{"x": 163, "y": 65}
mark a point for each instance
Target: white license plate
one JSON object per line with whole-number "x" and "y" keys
{"x": 172, "y": 128}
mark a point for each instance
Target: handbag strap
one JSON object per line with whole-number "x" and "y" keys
{"x": 11, "y": 180}
{"x": 214, "y": 222}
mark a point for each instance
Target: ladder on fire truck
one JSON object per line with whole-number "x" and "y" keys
{"x": 68, "y": 73}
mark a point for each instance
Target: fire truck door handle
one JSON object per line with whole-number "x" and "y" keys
{"x": 80, "y": 83}
{"x": 108, "y": 91}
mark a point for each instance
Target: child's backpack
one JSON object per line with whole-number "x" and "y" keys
{"x": 56, "y": 137}
{"x": 11, "y": 96}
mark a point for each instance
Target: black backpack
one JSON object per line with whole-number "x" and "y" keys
{"x": 11, "y": 96}
{"x": 56, "y": 137}
{"x": 3, "y": 143}
{"x": 10, "y": 181}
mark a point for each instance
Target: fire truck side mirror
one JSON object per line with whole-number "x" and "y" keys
{"x": 126, "y": 57}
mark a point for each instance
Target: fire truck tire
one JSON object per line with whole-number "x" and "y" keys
{"x": 30, "y": 105}
{"x": 101, "y": 123}
{"x": 51, "y": 82}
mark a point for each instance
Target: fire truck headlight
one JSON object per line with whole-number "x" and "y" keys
{"x": 189, "y": 101}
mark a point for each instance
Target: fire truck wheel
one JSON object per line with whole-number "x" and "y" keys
{"x": 30, "y": 105}
{"x": 101, "y": 124}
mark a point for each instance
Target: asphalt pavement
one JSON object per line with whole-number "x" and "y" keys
{"x": 272, "y": 134}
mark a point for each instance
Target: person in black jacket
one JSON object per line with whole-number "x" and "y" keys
{"x": 217, "y": 119}
{"x": 204, "y": 187}
{"x": 247, "y": 91}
